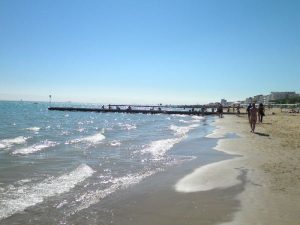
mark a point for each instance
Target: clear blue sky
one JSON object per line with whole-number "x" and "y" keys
{"x": 151, "y": 51}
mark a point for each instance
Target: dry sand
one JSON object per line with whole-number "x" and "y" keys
{"x": 271, "y": 159}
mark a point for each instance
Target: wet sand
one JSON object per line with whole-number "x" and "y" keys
{"x": 159, "y": 203}
{"x": 156, "y": 200}
{"x": 271, "y": 158}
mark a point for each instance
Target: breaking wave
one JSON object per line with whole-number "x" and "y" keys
{"x": 93, "y": 139}
{"x": 159, "y": 148}
{"x": 35, "y": 148}
{"x": 34, "y": 129}
{"x": 15, "y": 200}
{"x": 8, "y": 143}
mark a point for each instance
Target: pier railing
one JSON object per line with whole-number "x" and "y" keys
{"x": 142, "y": 110}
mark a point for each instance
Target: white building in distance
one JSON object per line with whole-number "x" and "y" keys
{"x": 266, "y": 99}
{"x": 281, "y": 95}
{"x": 224, "y": 102}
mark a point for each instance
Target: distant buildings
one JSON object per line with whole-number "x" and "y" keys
{"x": 273, "y": 96}
{"x": 282, "y": 95}
{"x": 265, "y": 99}
{"x": 224, "y": 102}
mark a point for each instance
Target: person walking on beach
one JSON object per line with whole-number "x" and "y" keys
{"x": 248, "y": 111}
{"x": 253, "y": 117}
{"x": 261, "y": 112}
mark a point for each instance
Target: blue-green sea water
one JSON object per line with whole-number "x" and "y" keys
{"x": 60, "y": 163}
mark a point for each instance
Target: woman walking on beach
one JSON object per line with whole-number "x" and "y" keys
{"x": 248, "y": 111}
{"x": 253, "y": 117}
{"x": 261, "y": 112}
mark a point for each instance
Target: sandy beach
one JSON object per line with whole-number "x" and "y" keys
{"x": 270, "y": 158}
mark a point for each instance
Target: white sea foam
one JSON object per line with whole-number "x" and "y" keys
{"x": 216, "y": 175}
{"x": 80, "y": 130}
{"x": 92, "y": 197}
{"x": 34, "y": 129}
{"x": 198, "y": 118}
{"x": 65, "y": 132}
{"x": 181, "y": 131}
{"x": 93, "y": 139}
{"x": 115, "y": 143}
{"x": 159, "y": 148}
{"x": 184, "y": 121}
{"x": 127, "y": 126}
{"x": 175, "y": 115}
{"x": 18, "y": 199}
{"x": 8, "y": 143}
{"x": 35, "y": 148}
{"x": 96, "y": 138}
{"x": 21, "y": 182}
{"x": 195, "y": 119}
{"x": 65, "y": 202}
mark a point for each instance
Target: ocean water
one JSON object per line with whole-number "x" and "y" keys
{"x": 59, "y": 163}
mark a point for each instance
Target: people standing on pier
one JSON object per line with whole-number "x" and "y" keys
{"x": 220, "y": 110}
{"x": 253, "y": 117}
{"x": 261, "y": 112}
{"x": 203, "y": 109}
{"x": 238, "y": 108}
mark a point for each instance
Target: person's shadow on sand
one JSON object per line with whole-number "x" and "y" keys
{"x": 262, "y": 134}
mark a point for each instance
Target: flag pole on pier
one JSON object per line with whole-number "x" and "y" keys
{"x": 50, "y": 96}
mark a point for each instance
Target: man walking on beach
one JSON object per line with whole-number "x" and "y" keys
{"x": 261, "y": 112}
{"x": 253, "y": 117}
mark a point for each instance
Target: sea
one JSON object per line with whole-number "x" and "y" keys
{"x": 54, "y": 164}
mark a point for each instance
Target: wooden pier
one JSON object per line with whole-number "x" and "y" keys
{"x": 142, "y": 111}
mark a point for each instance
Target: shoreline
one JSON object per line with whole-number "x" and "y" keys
{"x": 234, "y": 177}
{"x": 155, "y": 200}
{"x": 271, "y": 161}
